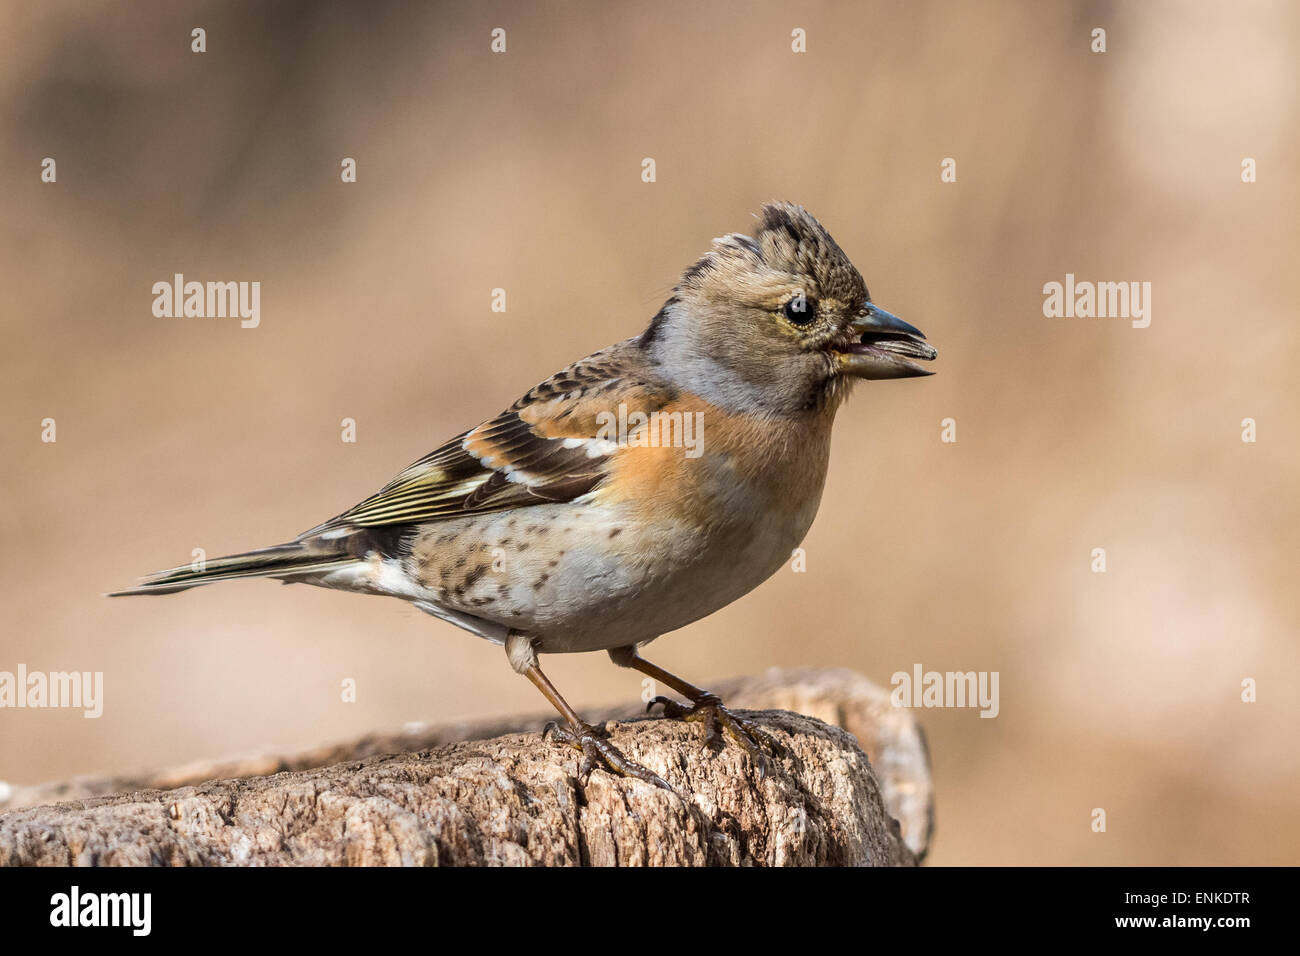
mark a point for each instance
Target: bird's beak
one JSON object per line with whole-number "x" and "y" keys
{"x": 881, "y": 345}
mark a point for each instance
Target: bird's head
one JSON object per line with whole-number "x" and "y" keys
{"x": 779, "y": 321}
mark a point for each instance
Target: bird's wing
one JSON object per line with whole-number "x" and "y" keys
{"x": 547, "y": 447}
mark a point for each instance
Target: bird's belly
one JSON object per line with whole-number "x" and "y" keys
{"x": 578, "y": 578}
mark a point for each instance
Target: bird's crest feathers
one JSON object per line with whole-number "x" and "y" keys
{"x": 789, "y": 243}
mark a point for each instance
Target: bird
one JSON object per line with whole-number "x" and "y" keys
{"x": 636, "y": 491}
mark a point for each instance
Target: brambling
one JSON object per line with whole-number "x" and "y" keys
{"x": 640, "y": 489}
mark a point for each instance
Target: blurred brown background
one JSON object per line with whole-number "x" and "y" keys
{"x": 1118, "y": 690}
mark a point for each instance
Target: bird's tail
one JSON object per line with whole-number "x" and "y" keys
{"x": 283, "y": 560}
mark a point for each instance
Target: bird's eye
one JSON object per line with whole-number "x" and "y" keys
{"x": 801, "y": 309}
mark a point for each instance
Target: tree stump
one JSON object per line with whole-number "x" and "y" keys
{"x": 495, "y": 793}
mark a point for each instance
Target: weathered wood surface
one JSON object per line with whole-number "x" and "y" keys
{"x": 493, "y": 793}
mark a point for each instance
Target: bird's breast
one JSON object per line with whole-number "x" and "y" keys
{"x": 668, "y": 538}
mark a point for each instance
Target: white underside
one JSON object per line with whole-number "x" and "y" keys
{"x": 570, "y": 591}
{"x": 388, "y": 578}
{"x": 488, "y": 630}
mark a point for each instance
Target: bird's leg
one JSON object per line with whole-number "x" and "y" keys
{"x": 596, "y": 750}
{"x": 706, "y": 708}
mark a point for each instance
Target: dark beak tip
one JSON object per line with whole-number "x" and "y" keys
{"x": 878, "y": 318}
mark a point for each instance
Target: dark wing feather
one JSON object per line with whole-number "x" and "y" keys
{"x": 542, "y": 449}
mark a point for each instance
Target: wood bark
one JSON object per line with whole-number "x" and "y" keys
{"x": 494, "y": 793}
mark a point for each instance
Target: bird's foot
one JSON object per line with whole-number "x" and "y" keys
{"x": 709, "y": 711}
{"x": 597, "y": 751}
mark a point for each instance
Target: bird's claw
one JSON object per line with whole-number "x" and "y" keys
{"x": 717, "y": 719}
{"x": 597, "y": 751}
